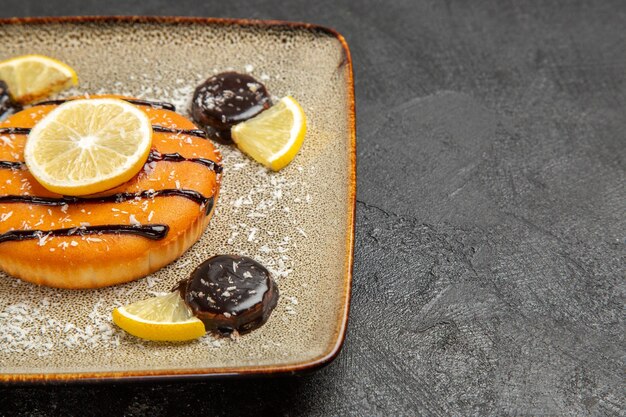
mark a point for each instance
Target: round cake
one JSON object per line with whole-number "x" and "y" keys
{"x": 115, "y": 236}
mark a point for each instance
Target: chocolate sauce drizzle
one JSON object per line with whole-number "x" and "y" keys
{"x": 15, "y": 130}
{"x": 149, "y": 231}
{"x": 199, "y": 133}
{"x": 154, "y": 156}
{"x": 161, "y": 129}
{"x": 113, "y": 198}
{"x": 149, "y": 103}
{"x": 11, "y": 164}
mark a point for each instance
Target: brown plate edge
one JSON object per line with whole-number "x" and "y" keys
{"x": 175, "y": 374}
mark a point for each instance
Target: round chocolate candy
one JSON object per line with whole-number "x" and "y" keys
{"x": 229, "y": 292}
{"x": 226, "y": 99}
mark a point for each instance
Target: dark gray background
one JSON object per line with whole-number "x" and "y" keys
{"x": 489, "y": 267}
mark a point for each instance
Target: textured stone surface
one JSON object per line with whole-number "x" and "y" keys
{"x": 489, "y": 268}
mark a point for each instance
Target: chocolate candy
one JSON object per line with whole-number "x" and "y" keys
{"x": 226, "y": 99}
{"x": 229, "y": 292}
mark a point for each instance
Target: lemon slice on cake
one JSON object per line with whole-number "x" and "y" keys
{"x": 275, "y": 136}
{"x": 163, "y": 318}
{"x": 88, "y": 146}
{"x": 33, "y": 77}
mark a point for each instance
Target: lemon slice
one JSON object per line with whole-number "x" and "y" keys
{"x": 33, "y": 77}
{"x": 275, "y": 136}
{"x": 163, "y": 318}
{"x": 88, "y": 146}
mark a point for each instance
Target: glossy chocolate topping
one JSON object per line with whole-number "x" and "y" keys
{"x": 226, "y": 99}
{"x": 161, "y": 129}
{"x": 12, "y": 165}
{"x": 206, "y": 202}
{"x": 154, "y": 156}
{"x": 191, "y": 132}
{"x": 229, "y": 292}
{"x": 149, "y": 231}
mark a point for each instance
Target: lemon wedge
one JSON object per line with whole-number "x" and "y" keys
{"x": 164, "y": 318}
{"x": 88, "y": 146}
{"x": 275, "y": 136}
{"x": 33, "y": 77}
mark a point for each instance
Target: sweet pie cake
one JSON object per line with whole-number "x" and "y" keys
{"x": 117, "y": 235}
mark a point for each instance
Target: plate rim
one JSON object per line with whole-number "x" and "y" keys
{"x": 237, "y": 371}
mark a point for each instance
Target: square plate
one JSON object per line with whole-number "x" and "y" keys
{"x": 298, "y": 222}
